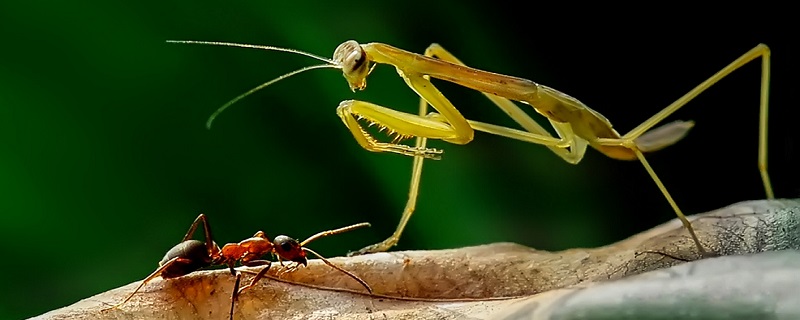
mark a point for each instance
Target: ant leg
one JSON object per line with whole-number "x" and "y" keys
{"x": 258, "y": 276}
{"x": 145, "y": 281}
{"x": 206, "y": 228}
{"x": 235, "y": 289}
{"x": 287, "y": 269}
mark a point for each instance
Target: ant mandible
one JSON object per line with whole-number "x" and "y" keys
{"x": 191, "y": 255}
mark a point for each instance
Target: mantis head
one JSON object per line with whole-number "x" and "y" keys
{"x": 354, "y": 63}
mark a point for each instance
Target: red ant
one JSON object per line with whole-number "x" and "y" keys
{"x": 191, "y": 255}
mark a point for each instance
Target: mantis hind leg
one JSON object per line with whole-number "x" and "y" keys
{"x": 760, "y": 50}
{"x": 628, "y": 140}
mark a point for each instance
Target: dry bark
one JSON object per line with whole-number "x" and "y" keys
{"x": 501, "y": 280}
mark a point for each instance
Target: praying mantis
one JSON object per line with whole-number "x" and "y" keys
{"x": 576, "y": 125}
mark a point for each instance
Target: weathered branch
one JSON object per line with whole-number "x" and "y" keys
{"x": 498, "y": 280}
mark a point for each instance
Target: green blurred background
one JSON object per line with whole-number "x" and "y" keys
{"x": 105, "y": 160}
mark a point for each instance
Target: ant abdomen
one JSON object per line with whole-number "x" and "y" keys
{"x": 191, "y": 254}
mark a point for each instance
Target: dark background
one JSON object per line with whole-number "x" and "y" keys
{"x": 105, "y": 160}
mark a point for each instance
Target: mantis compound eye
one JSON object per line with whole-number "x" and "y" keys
{"x": 355, "y": 60}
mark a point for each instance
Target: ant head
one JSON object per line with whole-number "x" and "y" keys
{"x": 354, "y": 63}
{"x": 289, "y": 249}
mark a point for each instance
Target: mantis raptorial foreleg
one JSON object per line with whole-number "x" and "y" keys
{"x": 413, "y": 192}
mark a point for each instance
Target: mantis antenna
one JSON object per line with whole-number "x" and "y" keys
{"x": 329, "y": 64}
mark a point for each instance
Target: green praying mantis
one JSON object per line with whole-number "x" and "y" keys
{"x": 577, "y": 126}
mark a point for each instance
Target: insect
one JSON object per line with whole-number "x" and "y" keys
{"x": 576, "y": 125}
{"x": 191, "y": 255}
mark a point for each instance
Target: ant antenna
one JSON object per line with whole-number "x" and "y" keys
{"x": 348, "y": 273}
{"x": 329, "y": 64}
{"x": 332, "y": 232}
